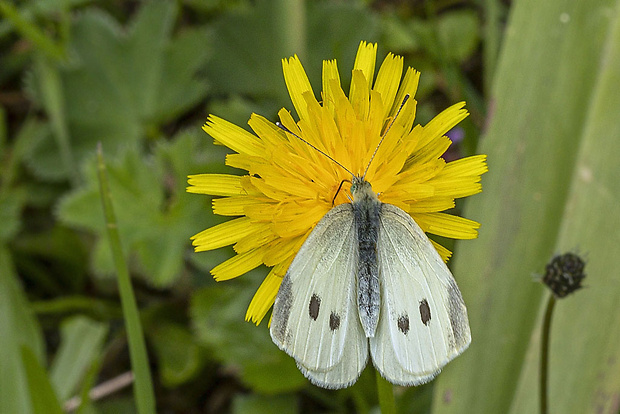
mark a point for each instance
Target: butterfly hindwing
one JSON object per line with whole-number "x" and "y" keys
{"x": 423, "y": 320}
{"x": 315, "y": 317}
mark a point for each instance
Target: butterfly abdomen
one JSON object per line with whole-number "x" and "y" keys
{"x": 366, "y": 210}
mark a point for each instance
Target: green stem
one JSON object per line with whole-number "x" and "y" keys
{"x": 30, "y": 31}
{"x": 289, "y": 20}
{"x": 386, "y": 395}
{"x": 143, "y": 386}
{"x": 98, "y": 308}
{"x": 544, "y": 356}
{"x": 54, "y": 102}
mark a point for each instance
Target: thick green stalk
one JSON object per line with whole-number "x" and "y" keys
{"x": 386, "y": 395}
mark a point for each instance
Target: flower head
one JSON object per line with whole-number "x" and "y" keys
{"x": 290, "y": 186}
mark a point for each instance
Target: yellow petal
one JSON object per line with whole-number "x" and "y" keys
{"x": 330, "y": 74}
{"x": 447, "y": 225}
{"x": 413, "y": 191}
{"x": 442, "y": 123}
{"x": 360, "y": 95}
{"x": 234, "y": 137}
{"x": 365, "y": 61}
{"x": 238, "y": 265}
{"x": 270, "y": 191}
{"x": 263, "y": 298}
{"x": 376, "y": 119}
{"x": 245, "y": 162}
{"x": 469, "y": 166}
{"x": 261, "y": 235}
{"x": 432, "y": 204}
{"x": 457, "y": 187}
{"x": 269, "y": 133}
{"x": 283, "y": 250}
{"x": 236, "y": 206}
{"x": 297, "y": 83}
{"x": 444, "y": 253}
{"x": 431, "y": 151}
{"x": 409, "y": 86}
{"x": 294, "y": 223}
{"x": 215, "y": 184}
{"x": 388, "y": 81}
{"x": 222, "y": 235}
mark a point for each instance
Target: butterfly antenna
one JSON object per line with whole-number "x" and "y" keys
{"x": 385, "y": 133}
{"x": 285, "y": 129}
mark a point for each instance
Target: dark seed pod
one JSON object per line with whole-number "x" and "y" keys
{"x": 564, "y": 274}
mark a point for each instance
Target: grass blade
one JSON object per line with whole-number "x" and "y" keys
{"x": 552, "y": 146}
{"x": 143, "y": 386}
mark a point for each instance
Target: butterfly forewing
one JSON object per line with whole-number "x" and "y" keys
{"x": 315, "y": 317}
{"x": 423, "y": 321}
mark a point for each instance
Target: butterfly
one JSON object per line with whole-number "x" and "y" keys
{"x": 368, "y": 282}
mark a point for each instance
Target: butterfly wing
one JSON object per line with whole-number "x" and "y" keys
{"x": 423, "y": 322}
{"x": 314, "y": 317}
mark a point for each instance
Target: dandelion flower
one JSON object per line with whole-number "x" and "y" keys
{"x": 290, "y": 186}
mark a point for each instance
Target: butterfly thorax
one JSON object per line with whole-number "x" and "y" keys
{"x": 366, "y": 211}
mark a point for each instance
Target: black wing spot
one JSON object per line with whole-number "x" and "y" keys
{"x": 425, "y": 312}
{"x": 334, "y": 321}
{"x": 315, "y": 305}
{"x": 403, "y": 324}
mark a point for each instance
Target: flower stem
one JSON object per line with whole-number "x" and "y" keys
{"x": 290, "y": 26}
{"x": 386, "y": 395}
{"x": 544, "y": 355}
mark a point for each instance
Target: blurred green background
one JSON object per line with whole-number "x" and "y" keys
{"x": 541, "y": 80}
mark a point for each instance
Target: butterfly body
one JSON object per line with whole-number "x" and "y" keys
{"x": 367, "y": 280}
{"x": 366, "y": 212}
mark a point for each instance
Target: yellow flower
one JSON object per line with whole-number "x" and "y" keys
{"x": 290, "y": 186}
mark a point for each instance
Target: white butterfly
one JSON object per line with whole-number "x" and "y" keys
{"x": 367, "y": 275}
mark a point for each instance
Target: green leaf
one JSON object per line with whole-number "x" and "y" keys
{"x": 116, "y": 405}
{"x": 156, "y": 216}
{"x": 179, "y": 356}
{"x": 82, "y": 341}
{"x": 217, "y": 317}
{"x": 259, "y": 404}
{"x": 18, "y": 328}
{"x": 11, "y": 204}
{"x": 253, "y": 66}
{"x": 39, "y": 10}
{"x": 88, "y": 383}
{"x": 30, "y": 132}
{"x": 397, "y": 35}
{"x": 44, "y": 401}
{"x": 180, "y": 88}
{"x": 3, "y": 131}
{"x": 458, "y": 34}
{"x": 55, "y": 261}
{"x": 54, "y": 103}
{"x": 135, "y": 80}
{"x": 552, "y": 146}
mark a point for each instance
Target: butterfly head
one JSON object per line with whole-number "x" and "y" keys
{"x": 361, "y": 189}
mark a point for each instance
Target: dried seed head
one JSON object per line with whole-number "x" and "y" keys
{"x": 564, "y": 274}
